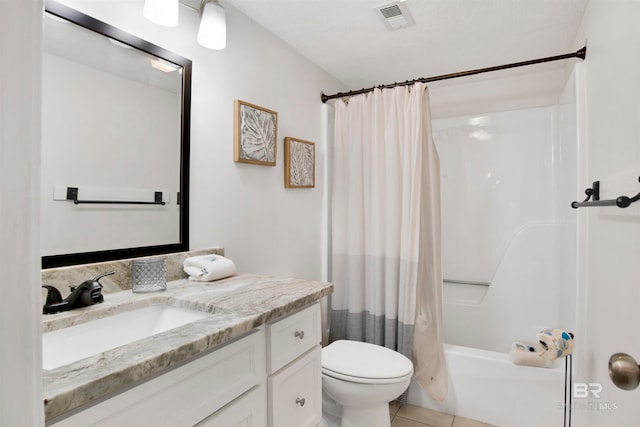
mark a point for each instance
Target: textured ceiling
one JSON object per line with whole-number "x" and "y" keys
{"x": 347, "y": 39}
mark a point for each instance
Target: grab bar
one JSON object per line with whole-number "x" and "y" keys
{"x": 466, "y": 282}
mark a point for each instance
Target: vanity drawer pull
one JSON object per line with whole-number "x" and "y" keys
{"x": 295, "y": 392}
{"x": 291, "y": 337}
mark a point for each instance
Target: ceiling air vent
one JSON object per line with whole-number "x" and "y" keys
{"x": 395, "y": 15}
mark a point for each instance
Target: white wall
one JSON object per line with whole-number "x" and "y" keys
{"x": 245, "y": 208}
{"x": 610, "y": 243}
{"x": 534, "y": 86}
{"x": 20, "y": 351}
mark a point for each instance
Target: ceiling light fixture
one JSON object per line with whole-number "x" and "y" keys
{"x": 213, "y": 25}
{"x": 162, "y": 65}
{"x": 161, "y": 12}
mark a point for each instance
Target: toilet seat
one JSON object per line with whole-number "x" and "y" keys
{"x": 364, "y": 363}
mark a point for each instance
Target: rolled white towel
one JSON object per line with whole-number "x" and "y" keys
{"x": 206, "y": 268}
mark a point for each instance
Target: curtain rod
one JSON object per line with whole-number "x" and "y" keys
{"x": 582, "y": 53}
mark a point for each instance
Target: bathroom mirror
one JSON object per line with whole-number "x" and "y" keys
{"x": 115, "y": 143}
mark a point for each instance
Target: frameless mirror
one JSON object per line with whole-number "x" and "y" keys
{"x": 115, "y": 143}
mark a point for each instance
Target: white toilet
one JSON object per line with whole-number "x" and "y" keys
{"x": 358, "y": 382}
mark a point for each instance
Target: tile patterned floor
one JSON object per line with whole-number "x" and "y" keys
{"x": 415, "y": 416}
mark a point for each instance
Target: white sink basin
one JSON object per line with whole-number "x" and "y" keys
{"x": 67, "y": 345}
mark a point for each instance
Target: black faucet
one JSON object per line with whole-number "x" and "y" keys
{"x": 87, "y": 293}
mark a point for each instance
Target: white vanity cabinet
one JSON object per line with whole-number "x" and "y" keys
{"x": 294, "y": 366}
{"x": 269, "y": 377}
{"x": 188, "y": 394}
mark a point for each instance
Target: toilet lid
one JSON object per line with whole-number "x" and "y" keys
{"x": 364, "y": 361}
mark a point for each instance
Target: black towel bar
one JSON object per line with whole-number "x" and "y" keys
{"x": 594, "y": 192}
{"x": 72, "y": 194}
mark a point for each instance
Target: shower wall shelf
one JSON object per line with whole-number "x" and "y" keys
{"x": 593, "y": 199}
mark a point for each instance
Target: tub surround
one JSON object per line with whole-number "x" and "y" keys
{"x": 236, "y": 305}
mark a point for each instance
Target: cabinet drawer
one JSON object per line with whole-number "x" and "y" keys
{"x": 185, "y": 395}
{"x": 248, "y": 410}
{"x": 290, "y": 337}
{"x": 295, "y": 393}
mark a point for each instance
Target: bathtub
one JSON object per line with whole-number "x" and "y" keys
{"x": 485, "y": 386}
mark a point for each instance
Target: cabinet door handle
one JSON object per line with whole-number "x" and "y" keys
{"x": 299, "y": 334}
{"x": 300, "y": 401}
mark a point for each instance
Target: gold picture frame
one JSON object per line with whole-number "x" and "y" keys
{"x": 255, "y": 134}
{"x": 299, "y": 163}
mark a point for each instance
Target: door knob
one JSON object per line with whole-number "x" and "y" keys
{"x": 624, "y": 371}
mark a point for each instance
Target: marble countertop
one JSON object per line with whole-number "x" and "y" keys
{"x": 236, "y": 305}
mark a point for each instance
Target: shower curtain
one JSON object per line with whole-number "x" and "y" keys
{"x": 386, "y": 262}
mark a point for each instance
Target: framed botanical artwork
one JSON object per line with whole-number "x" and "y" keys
{"x": 255, "y": 134}
{"x": 299, "y": 163}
